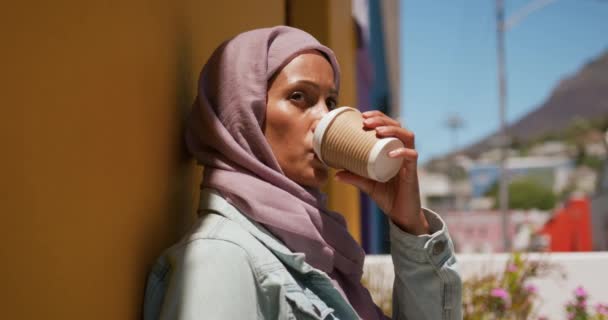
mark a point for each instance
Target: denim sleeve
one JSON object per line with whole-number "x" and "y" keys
{"x": 426, "y": 285}
{"x": 211, "y": 279}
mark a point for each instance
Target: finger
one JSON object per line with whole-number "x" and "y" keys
{"x": 372, "y": 113}
{"x": 408, "y": 154}
{"x": 409, "y": 165}
{"x": 377, "y": 121}
{"x": 406, "y": 136}
{"x": 364, "y": 184}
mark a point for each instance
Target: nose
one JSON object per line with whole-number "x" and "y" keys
{"x": 319, "y": 111}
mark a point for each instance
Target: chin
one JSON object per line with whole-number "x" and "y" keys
{"x": 316, "y": 179}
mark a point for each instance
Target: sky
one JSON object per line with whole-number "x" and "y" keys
{"x": 448, "y": 63}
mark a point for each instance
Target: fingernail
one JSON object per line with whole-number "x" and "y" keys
{"x": 393, "y": 153}
{"x": 367, "y": 121}
{"x": 381, "y": 129}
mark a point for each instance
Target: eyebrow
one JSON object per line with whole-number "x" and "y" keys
{"x": 314, "y": 84}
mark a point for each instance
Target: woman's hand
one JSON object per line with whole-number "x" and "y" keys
{"x": 400, "y": 196}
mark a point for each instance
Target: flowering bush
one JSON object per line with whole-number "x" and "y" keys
{"x": 577, "y": 309}
{"x": 509, "y": 295}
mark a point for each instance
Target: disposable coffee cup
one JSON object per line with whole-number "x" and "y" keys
{"x": 341, "y": 142}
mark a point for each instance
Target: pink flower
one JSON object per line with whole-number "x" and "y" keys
{"x": 501, "y": 294}
{"x": 531, "y": 288}
{"x": 602, "y": 309}
{"x": 511, "y": 268}
{"x": 580, "y": 292}
{"x": 582, "y": 304}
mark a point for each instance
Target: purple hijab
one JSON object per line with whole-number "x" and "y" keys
{"x": 225, "y": 135}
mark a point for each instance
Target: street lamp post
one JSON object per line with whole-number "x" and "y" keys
{"x": 454, "y": 122}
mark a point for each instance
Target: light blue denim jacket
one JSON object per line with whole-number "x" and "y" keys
{"x": 229, "y": 267}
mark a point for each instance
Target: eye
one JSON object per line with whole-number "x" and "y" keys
{"x": 331, "y": 103}
{"x": 297, "y": 96}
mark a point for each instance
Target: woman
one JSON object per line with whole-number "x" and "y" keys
{"x": 265, "y": 246}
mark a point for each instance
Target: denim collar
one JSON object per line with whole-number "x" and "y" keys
{"x": 211, "y": 200}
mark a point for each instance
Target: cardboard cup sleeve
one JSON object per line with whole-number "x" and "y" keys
{"x": 341, "y": 142}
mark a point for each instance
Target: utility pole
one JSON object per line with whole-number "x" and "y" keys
{"x": 504, "y": 142}
{"x": 503, "y": 198}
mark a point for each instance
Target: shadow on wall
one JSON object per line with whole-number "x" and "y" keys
{"x": 183, "y": 193}
{"x": 183, "y": 176}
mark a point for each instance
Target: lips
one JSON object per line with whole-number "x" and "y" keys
{"x": 316, "y": 159}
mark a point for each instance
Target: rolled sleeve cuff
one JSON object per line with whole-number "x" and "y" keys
{"x": 435, "y": 247}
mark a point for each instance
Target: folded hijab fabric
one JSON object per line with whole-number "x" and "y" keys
{"x": 224, "y": 133}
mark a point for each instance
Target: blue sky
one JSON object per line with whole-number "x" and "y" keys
{"x": 448, "y": 55}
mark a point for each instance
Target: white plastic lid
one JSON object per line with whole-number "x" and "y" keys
{"x": 380, "y": 166}
{"x": 322, "y": 126}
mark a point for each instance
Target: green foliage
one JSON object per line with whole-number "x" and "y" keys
{"x": 590, "y": 161}
{"x": 526, "y": 193}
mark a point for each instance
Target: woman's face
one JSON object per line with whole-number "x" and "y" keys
{"x": 298, "y": 96}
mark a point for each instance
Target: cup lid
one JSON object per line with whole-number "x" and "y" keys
{"x": 323, "y": 125}
{"x": 380, "y": 166}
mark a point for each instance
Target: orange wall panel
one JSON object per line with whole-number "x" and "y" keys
{"x": 95, "y": 178}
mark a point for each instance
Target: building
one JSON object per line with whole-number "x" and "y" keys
{"x": 481, "y": 231}
{"x": 553, "y": 172}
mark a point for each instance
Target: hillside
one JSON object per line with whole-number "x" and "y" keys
{"x": 582, "y": 95}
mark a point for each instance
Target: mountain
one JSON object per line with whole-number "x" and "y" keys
{"x": 582, "y": 95}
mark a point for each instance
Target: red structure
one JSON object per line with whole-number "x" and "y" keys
{"x": 570, "y": 228}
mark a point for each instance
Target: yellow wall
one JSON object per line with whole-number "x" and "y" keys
{"x": 95, "y": 181}
{"x": 95, "y": 178}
